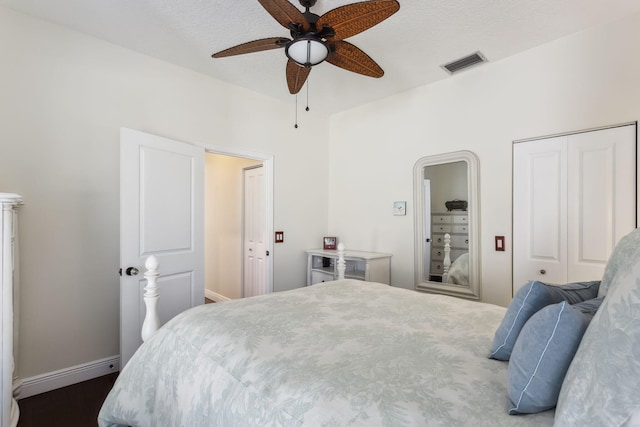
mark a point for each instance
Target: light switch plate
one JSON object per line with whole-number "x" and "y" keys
{"x": 500, "y": 243}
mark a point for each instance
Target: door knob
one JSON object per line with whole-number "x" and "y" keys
{"x": 132, "y": 271}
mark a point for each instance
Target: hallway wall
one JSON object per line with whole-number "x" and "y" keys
{"x": 223, "y": 224}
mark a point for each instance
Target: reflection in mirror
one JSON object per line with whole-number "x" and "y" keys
{"x": 445, "y": 212}
{"x": 446, "y": 224}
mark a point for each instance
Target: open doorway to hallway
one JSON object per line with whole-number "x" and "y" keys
{"x": 224, "y": 225}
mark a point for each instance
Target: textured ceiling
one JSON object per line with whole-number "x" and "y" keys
{"x": 410, "y": 46}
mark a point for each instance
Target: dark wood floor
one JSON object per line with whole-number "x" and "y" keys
{"x": 75, "y": 405}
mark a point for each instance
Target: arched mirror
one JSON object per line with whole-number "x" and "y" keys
{"x": 447, "y": 255}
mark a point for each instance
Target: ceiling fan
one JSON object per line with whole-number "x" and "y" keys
{"x": 315, "y": 39}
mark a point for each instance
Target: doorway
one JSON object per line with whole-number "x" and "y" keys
{"x": 162, "y": 201}
{"x": 224, "y": 224}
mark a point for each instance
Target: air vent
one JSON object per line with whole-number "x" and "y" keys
{"x": 464, "y": 63}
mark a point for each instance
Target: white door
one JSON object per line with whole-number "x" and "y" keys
{"x": 574, "y": 198}
{"x": 539, "y": 211}
{"x": 161, "y": 214}
{"x": 601, "y": 198}
{"x": 255, "y": 238}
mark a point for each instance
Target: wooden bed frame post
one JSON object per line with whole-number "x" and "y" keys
{"x": 151, "y": 320}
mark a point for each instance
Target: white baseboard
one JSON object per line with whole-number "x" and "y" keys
{"x": 214, "y": 296}
{"x": 64, "y": 377}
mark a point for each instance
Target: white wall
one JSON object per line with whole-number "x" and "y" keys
{"x": 64, "y": 98}
{"x": 223, "y": 223}
{"x": 448, "y": 182}
{"x": 586, "y": 80}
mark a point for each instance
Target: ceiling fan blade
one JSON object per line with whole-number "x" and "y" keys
{"x": 354, "y": 18}
{"x": 285, "y": 13}
{"x": 253, "y": 46}
{"x": 296, "y": 76}
{"x": 347, "y": 56}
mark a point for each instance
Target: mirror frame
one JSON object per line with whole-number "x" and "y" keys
{"x": 473, "y": 291}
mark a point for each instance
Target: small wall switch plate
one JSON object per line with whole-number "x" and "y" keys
{"x": 500, "y": 243}
{"x": 279, "y": 236}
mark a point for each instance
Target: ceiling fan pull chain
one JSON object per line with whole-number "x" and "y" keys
{"x": 296, "y": 114}
{"x": 307, "y": 109}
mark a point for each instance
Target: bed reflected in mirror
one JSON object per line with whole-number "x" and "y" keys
{"x": 446, "y": 218}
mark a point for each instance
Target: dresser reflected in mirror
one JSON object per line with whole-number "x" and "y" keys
{"x": 446, "y": 224}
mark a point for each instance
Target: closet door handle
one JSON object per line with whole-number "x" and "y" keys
{"x": 543, "y": 271}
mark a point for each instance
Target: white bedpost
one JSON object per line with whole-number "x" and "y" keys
{"x": 341, "y": 265}
{"x": 447, "y": 258}
{"x": 9, "y": 313}
{"x": 151, "y": 320}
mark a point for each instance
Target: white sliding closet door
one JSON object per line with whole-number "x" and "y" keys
{"x": 539, "y": 211}
{"x": 574, "y": 197}
{"x": 601, "y": 198}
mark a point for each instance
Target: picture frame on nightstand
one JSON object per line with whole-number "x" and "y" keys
{"x": 329, "y": 242}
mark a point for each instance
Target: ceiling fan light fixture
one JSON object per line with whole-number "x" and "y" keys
{"x": 307, "y": 51}
{"x": 315, "y": 39}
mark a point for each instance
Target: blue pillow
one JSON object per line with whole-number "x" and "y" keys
{"x": 543, "y": 352}
{"x": 527, "y": 301}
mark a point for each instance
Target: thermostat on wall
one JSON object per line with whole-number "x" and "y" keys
{"x": 399, "y": 208}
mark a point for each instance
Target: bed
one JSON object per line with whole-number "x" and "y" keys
{"x": 358, "y": 353}
{"x": 458, "y": 273}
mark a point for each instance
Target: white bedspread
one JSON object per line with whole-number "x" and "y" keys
{"x": 334, "y": 354}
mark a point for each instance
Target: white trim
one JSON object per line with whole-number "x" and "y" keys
{"x": 235, "y": 152}
{"x": 555, "y": 135}
{"x": 68, "y": 376}
{"x": 214, "y": 296}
